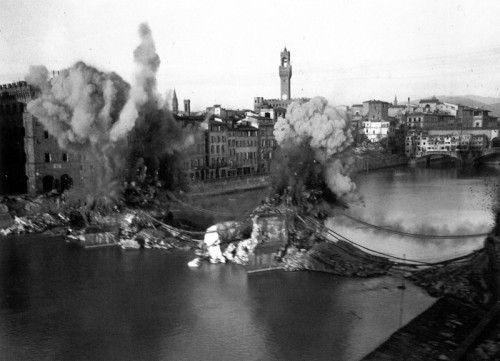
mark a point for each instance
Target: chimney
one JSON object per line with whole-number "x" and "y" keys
{"x": 187, "y": 107}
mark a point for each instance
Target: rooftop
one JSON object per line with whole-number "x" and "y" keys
{"x": 375, "y": 101}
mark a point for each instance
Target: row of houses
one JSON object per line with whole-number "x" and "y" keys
{"x": 420, "y": 143}
{"x": 378, "y": 120}
{"x": 236, "y": 145}
{"x": 229, "y": 143}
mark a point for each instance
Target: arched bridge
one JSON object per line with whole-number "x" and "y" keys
{"x": 468, "y": 156}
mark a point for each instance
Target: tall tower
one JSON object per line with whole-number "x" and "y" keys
{"x": 187, "y": 107}
{"x": 285, "y": 74}
{"x": 175, "y": 104}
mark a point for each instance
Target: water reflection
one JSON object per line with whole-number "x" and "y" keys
{"x": 111, "y": 304}
{"x": 423, "y": 201}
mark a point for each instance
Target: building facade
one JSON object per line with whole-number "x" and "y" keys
{"x": 31, "y": 160}
{"x": 376, "y": 110}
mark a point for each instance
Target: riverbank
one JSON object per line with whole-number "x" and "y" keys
{"x": 374, "y": 156}
{"x": 369, "y": 157}
{"x": 456, "y": 283}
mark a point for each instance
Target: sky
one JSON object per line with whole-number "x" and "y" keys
{"x": 228, "y": 52}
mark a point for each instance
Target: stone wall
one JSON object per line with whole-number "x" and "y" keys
{"x": 228, "y": 185}
{"x": 372, "y": 163}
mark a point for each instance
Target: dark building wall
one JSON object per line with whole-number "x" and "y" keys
{"x": 376, "y": 110}
{"x": 217, "y": 141}
{"x": 246, "y": 150}
{"x": 266, "y": 145}
{"x": 28, "y": 154}
{"x": 13, "y": 178}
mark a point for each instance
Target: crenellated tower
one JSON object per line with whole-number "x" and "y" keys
{"x": 285, "y": 75}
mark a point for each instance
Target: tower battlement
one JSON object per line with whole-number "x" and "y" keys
{"x": 20, "y": 90}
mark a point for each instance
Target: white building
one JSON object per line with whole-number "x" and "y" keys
{"x": 375, "y": 130}
{"x": 448, "y": 108}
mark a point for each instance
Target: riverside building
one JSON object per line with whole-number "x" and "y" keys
{"x": 30, "y": 158}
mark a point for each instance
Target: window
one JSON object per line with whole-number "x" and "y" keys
{"x": 46, "y": 134}
{"x": 65, "y": 157}
{"x": 47, "y": 158}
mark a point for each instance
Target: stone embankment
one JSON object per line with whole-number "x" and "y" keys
{"x": 228, "y": 185}
{"x": 375, "y": 157}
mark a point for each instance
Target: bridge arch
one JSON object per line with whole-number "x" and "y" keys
{"x": 449, "y": 154}
{"x": 495, "y": 142}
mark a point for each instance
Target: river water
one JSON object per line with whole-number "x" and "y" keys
{"x": 62, "y": 303}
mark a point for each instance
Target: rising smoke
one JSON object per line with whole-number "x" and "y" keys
{"x": 108, "y": 122}
{"x": 144, "y": 88}
{"x": 314, "y": 140}
{"x": 78, "y": 108}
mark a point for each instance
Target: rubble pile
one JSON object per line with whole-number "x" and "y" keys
{"x": 294, "y": 259}
{"x": 35, "y": 223}
{"x": 227, "y": 241}
{"x": 238, "y": 252}
{"x": 139, "y": 231}
{"x": 465, "y": 282}
{"x": 337, "y": 258}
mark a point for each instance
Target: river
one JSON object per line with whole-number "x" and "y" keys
{"x": 62, "y": 303}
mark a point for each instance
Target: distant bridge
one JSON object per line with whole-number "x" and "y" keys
{"x": 469, "y": 156}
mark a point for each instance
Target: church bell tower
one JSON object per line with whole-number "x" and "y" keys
{"x": 285, "y": 74}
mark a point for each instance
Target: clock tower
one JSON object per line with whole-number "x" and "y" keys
{"x": 285, "y": 74}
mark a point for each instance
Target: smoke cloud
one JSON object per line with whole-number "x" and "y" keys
{"x": 403, "y": 225}
{"x": 144, "y": 87}
{"x": 78, "y": 107}
{"x": 317, "y": 127}
{"x": 106, "y": 121}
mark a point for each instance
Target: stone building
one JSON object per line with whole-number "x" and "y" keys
{"x": 285, "y": 70}
{"x": 428, "y": 105}
{"x": 376, "y": 110}
{"x": 376, "y": 123}
{"x": 217, "y": 148}
{"x": 196, "y": 161}
{"x": 246, "y": 148}
{"x": 187, "y": 107}
{"x": 30, "y": 158}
